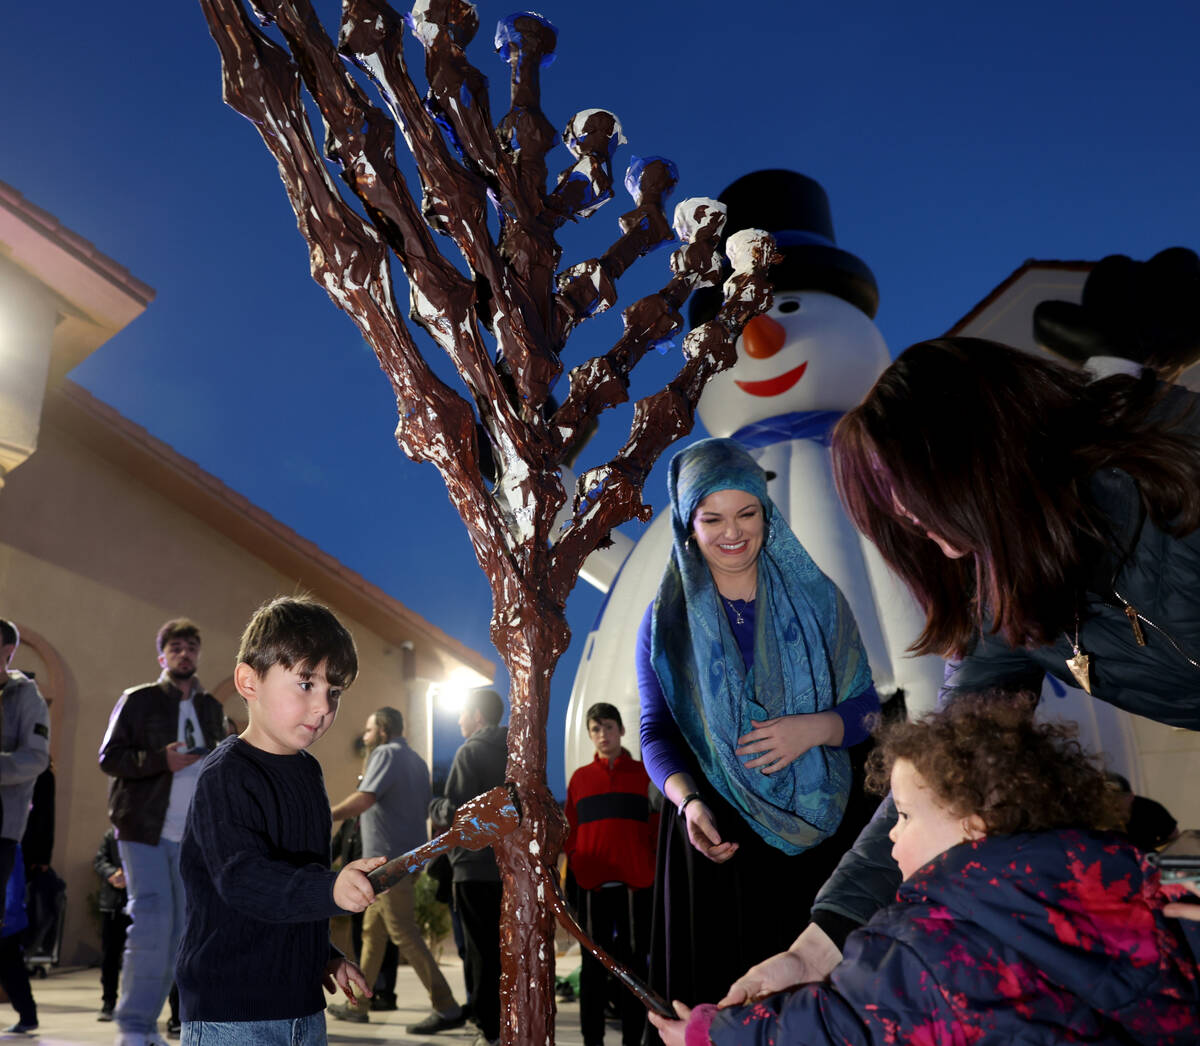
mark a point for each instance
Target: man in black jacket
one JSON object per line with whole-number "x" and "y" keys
{"x": 157, "y": 736}
{"x": 479, "y": 764}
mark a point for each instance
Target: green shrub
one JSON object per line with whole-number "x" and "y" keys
{"x": 433, "y": 917}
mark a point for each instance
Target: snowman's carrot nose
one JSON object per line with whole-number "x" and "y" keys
{"x": 762, "y": 337}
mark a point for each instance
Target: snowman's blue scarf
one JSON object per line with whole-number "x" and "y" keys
{"x": 807, "y": 657}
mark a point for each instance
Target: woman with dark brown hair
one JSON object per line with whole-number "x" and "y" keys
{"x": 1045, "y": 524}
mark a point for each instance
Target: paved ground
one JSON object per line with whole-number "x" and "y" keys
{"x": 69, "y": 999}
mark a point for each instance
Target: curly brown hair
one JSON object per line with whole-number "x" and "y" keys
{"x": 985, "y": 754}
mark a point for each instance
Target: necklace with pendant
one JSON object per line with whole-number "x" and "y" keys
{"x": 737, "y": 614}
{"x": 1079, "y": 662}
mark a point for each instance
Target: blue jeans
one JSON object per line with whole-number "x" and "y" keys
{"x": 156, "y": 908}
{"x": 304, "y": 1031}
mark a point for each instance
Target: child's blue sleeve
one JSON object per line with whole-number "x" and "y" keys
{"x": 878, "y": 993}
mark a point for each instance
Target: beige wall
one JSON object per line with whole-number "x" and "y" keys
{"x": 92, "y": 561}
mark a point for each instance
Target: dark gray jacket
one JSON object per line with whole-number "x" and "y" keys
{"x": 479, "y": 764}
{"x": 1148, "y": 569}
{"x": 106, "y": 862}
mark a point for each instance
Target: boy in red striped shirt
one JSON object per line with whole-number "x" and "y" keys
{"x": 611, "y": 849}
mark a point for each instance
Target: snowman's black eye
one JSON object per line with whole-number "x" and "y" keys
{"x": 789, "y": 306}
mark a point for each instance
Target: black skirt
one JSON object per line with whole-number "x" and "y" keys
{"x": 712, "y": 922}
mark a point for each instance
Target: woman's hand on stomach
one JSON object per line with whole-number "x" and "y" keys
{"x": 779, "y": 742}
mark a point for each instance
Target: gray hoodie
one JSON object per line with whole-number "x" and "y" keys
{"x": 24, "y": 749}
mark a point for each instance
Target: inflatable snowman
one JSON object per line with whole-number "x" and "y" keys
{"x": 814, "y": 355}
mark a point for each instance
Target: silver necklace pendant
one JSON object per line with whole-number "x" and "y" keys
{"x": 736, "y": 613}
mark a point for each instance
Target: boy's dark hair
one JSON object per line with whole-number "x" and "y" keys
{"x": 293, "y": 632}
{"x": 176, "y": 628}
{"x": 985, "y": 754}
{"x": 9, "y": 634}
{"x": 603, "y": 710}
{"x": 391, "y": 721}
{"x": 487, "y": 703}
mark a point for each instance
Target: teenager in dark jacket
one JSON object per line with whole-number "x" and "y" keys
{"x": 1011, "y": 925}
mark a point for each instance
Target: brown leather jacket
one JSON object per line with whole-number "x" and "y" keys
{"x": 133, "y": 753}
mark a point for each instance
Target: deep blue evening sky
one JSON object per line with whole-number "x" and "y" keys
{"x": 955, "y": 142}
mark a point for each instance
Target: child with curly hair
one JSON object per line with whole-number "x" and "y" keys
{"x": 1021, "y": 917}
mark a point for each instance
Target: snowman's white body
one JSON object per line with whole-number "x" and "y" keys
{"x": 831, "y": 356}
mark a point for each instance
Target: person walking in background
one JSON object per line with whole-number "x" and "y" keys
{"x": 114, "y": 922}
{"x": 479, "y": 764}
{"x": 14, "y": 977}
{"x": 610, "y": 847}
{"x": 157, "y": 735}
{"x": 24, "y": 747}
{"x": 391, "y": 803}
{"x": 45, "y": 891}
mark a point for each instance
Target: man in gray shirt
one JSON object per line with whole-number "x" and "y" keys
{"x": 392, "y": 799}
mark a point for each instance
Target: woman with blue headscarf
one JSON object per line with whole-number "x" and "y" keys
{"x": 754, "y": 685}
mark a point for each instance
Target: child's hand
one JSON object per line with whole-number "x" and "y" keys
{"x": 671, "y": 1032}
{"x": 342, "y": 973}
{"x": 352, "y": 892}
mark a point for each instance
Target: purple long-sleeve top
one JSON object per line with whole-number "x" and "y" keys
{"x": 664, "y": 750}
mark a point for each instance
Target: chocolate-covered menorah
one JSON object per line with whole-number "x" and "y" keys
{"x": 472, "y": 242}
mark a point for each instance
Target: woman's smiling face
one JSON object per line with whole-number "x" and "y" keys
{"x": 728, "y": 526}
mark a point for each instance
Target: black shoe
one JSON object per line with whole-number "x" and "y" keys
{"x": 106, "y": 1012}
{"x": 382, "y": 1002}
{"x": 436, "y": 1022}
{"x": 173, "y": 1028}
{"x": 20, "y": 1028}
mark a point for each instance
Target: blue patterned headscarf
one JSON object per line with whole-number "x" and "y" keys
{"x": 807, "y": 656}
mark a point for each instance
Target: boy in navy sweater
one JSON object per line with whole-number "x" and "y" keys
{"x": 611, "y": 848}
{"x": 255, "y": 852}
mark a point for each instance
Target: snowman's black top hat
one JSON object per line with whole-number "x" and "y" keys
{"x": 795, "y": 210}
{"x": 1148, "y": 312}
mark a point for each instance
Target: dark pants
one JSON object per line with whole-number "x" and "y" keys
{"x": 618, "y": 919}
{"x": 14, "y": 978}
{"x": 478, "y": 906}
{"x": 8, "y": 857}
{"x": 112, "y": 946}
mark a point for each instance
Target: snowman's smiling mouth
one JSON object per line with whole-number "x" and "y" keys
{"x": 773, "y": 386}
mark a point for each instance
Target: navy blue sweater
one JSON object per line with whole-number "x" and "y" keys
{"x": 255, "y": 867}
